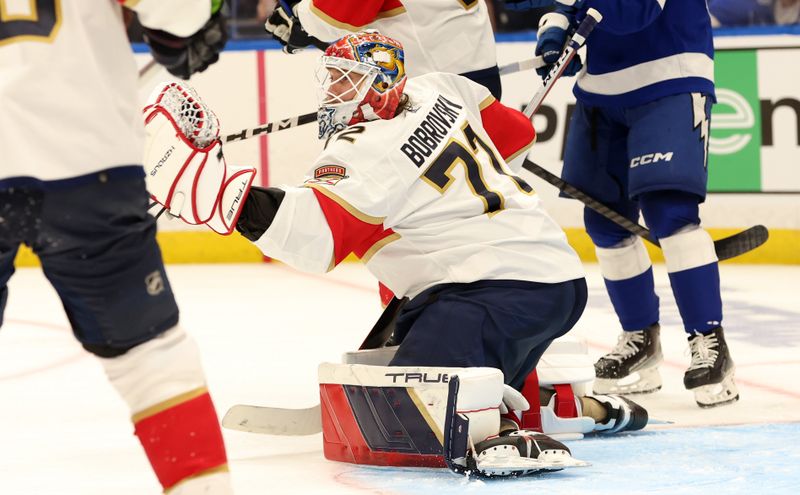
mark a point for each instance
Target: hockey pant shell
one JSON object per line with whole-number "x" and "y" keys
{"x": 97, "y": 246}
{"x": 504, "y": 324}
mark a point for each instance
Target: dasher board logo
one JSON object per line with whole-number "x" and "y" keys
{"x": 734, "y": 162}
{"x": 328, "y": 174}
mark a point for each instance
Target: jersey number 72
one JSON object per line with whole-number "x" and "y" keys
{"x": 439, "y": 173}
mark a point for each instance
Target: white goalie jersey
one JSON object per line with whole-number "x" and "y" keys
{"x": 437, "y": 35}
{"x": 68, "y": 83}
{"x": 428, "y": 197}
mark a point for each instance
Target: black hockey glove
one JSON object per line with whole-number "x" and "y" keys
{"x": 182, "y": 57}
{"x": 285, "y": 27}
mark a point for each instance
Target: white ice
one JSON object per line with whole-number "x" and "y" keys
{"x": 263, "y": 329}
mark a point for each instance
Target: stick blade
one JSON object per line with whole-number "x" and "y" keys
{"x": 274, "y": 420}
{"x": 743, "y": 242}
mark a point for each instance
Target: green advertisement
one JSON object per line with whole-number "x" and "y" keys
{"x": 734, "y": 160}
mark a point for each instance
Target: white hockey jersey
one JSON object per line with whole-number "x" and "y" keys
{"x": 425, "y": 198}
{"x": 437, "y": 35}
{"x": 68, "y": 84}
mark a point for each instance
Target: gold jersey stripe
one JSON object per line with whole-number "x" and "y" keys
{"x": 378, "y": 246}
{"x": 347, "y": 206}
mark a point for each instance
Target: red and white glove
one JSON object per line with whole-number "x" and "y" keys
{"x": 186, "y": 172}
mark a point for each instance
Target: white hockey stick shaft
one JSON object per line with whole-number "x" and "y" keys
{"x": 274, "y": 420}
{"x": 574, "y": 44}
{"x": 147, "y": 72}
{"x": 514, "y": 67}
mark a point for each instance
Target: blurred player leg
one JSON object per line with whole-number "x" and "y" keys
{"x": 97, "y": 246}
{"x": 694, "y": 277}
{"x": 596, "y": 161}
{"x": 668, "y": 174}
{"x": 13, "y": 230}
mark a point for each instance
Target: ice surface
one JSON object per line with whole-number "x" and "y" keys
{"x": 262, "y": 330}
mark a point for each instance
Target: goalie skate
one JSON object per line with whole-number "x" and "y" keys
{"x": 632, "y": 366}
{"x": 710, "y": 374}
{"x": 521, "y": 453}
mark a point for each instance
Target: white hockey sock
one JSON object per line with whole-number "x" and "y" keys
{"x": 163, "y": 384}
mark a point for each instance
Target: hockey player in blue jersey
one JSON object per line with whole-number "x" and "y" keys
{"x": 638, "y": 141}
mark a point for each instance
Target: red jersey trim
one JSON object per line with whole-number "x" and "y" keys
{"x": 352, "y": 230}
{"x": 347, "y": 206}
{"x": 511, "y": 132}
{"x": 354, "y": 15}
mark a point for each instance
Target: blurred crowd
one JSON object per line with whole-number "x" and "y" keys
{"x": 246, "y": 17}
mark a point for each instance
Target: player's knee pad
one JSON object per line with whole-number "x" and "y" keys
{"x": 666, "y": 212}
{"x": 163, "y": 383}
{"x": 624, "y": 260}
{"x": 567, "y": 370}
{"x": 395, "y": 415}
{"x": 567, "y": 361}
{"x": 603, "y": 232}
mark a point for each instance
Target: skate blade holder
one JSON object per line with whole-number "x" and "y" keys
{"x": 717, "y": 394}
{"x": 639, "y": 382}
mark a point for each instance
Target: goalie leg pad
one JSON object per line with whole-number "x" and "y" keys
{"x": 395, "y": 416}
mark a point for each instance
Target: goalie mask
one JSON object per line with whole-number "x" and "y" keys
{"x": 361, "y": 78}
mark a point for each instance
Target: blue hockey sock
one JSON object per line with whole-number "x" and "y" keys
{"x": 694, "y": 275}
{"x": 628, "y": 275}
{"x": 634, "y": 300}
{"x": 698, "y": 297}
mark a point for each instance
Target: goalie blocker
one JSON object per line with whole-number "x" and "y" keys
{"x": 424, "y": 417}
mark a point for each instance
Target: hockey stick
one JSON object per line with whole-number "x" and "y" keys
{"x": 514, "y": 67}
{"x": 575, "y": 42}
{"x": 280, "y": 125}
{"x": 147, "y": 69}
{"x": 726, "y": 248}
{"x": 300, "y": 422}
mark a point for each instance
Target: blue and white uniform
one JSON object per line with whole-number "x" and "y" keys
{"x": 645, "y": 50}
{"x": 638, "y": 141}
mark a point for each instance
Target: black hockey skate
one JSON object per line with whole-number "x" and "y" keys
{"x": 710, "y": 374}
{"x": 632, "y": 366}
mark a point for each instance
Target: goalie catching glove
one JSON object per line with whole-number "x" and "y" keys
{"x": 185, "y": 169}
